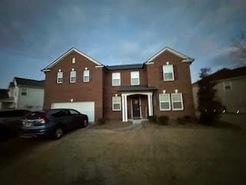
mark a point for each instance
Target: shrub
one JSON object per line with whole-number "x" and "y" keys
{"x": 184, "y": 120}
{"x": 163, "y": 120}
{"x": 101, "y": 121}
{"x": 152, "y": 119}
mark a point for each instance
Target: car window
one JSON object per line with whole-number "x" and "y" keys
{"x": 59, "y": 113}
{"x": 74, "y": 112}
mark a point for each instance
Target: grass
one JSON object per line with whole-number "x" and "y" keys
{"x": 151, "y": 155}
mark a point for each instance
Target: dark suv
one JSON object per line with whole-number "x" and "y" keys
{"x": 54, "y": 122}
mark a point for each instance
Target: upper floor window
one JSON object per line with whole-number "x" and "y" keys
{"x": 23, "y": 91}
{"x": 73, "y": 60}
{"x": 164, "y": 102}
{"x": 73, "y": 76}
{"x": 86, "y": 75}
{"x": 177, "y": 101}
{"x": 135, "y": 78}
{"x": 59, "y": 78}
{"x": 116, "y": 103}
{"x": 227, "y": 85}
{"x": 168, "y": 74}
{"x": 115, "y": 79}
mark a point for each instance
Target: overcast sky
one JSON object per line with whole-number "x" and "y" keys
{"x": 35, "y": 32}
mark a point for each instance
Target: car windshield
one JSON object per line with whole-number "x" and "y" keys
{"x": 57, "y": 112}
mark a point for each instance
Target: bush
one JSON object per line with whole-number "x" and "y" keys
{"x": 152, "y": 119}
{"x": 101, "y": 121}
{"x": 184, "y": 120}
{"x": 163, "y": 120}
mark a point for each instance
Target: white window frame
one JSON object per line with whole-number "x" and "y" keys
{"x": 73, "y": 60}
{"x": 115, "y": 77}
{"x": 73, "y": 76}
{"x": 182, "y": 102}
{"x": 118, "y": 102}
{"x": 59, "y": 77}
{"x": 164, "y": 71}
{"x": 169, "y": 101}
{"x": 86, "y": 75}
{"x": 24, "y": 90}
{"x": 133, "y": 73}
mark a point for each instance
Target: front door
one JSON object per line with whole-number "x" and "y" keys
{"x": 135, "y": 108}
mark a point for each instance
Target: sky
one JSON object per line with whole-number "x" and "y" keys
{"x": 33, "y": 33}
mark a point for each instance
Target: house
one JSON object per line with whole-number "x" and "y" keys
{"x": 5, "y": 101}
{"x": 230, "y": 89}
{"x": 25, "y": 94}
{"x": 159, "y": 86}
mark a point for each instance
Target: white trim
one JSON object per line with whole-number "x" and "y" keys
{"x": 163, "y": 73}
{"x": 115, "y": 77}
{"x": 182, "y": 103}
{"x": 131, "y": 74}
{"x": 185, "y": 57}
{"x": 169, "y": 101}
{"x": 67, "y": 53}
{"x": 113, "y": 109}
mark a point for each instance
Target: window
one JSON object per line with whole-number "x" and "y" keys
{"x": 115, "y": 79}
{"x": 168, "y": 74}
{"x": 23, "y": 91}
{"x": 116, "y": 103}
{"x": 73, "y": 76}
{"x": 86, "y": 75}
{"x": 74, "y": 112}
{"x": 177, "y": 101}
{"x": 59, "y": 78}
{"x": 73, "y": 60}
{"x": 135, "y": 78}
{"x": 227, "y": 85}
{"x": 164, "y": 102}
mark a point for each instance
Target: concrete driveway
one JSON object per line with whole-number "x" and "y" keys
{"x": 149, "y": 155}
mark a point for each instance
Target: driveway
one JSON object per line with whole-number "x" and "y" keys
{"x": 148, "y": 155}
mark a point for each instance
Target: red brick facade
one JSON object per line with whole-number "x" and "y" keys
{"x": 100, "y": 90}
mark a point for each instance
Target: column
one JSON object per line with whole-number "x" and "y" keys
{"x": 150, "y": 104}
{"x": 126, "y": 115}
{"x": 123, "y": 107}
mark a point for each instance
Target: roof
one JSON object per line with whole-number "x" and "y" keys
{"x": 48, "y": 67}
{"x": 226, "y": 73}
{"x": 29, "y": 82}
{"x": 177, "y": 53}
{"x": 136, "y": 88}
{"x": 126, "y": 66}
{"x": 4, "y": 93}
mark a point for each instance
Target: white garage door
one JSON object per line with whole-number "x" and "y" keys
{"x": 87, "y": 108}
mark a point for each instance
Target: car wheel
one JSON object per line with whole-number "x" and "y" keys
{"x": 85, "y": 123}
{"x": 58, "y": 133}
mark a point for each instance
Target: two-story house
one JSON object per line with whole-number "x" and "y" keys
{"x": 25, "y": 94}
{"x": 159, "y": 86}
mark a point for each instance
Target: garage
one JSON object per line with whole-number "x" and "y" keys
{"x": 87, "y": 108}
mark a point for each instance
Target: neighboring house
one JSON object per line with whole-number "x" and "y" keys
{"x": 159, "y": 86}
{"x": 5, "y": 101}
{"x": 230, "y": 87}
{"x": 25, "y": 94}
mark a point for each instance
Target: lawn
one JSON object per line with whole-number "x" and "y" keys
{"x": 150, "y": 155}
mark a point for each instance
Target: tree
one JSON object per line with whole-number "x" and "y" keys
{"x": 208, "y": 106}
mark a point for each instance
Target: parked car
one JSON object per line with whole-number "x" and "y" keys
{"x": 10, "y": 122}
{"x": 54, "y": 122}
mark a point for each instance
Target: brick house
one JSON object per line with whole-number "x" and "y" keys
{"x": 159, "y": 86}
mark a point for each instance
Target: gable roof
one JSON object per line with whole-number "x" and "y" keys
{"x": 48, "y": 67}
{"x": 126, "y": 66}
{"x": 29, "y": 82}
{"x": 181, "y": 55}
{"x": 226, "y": 73}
